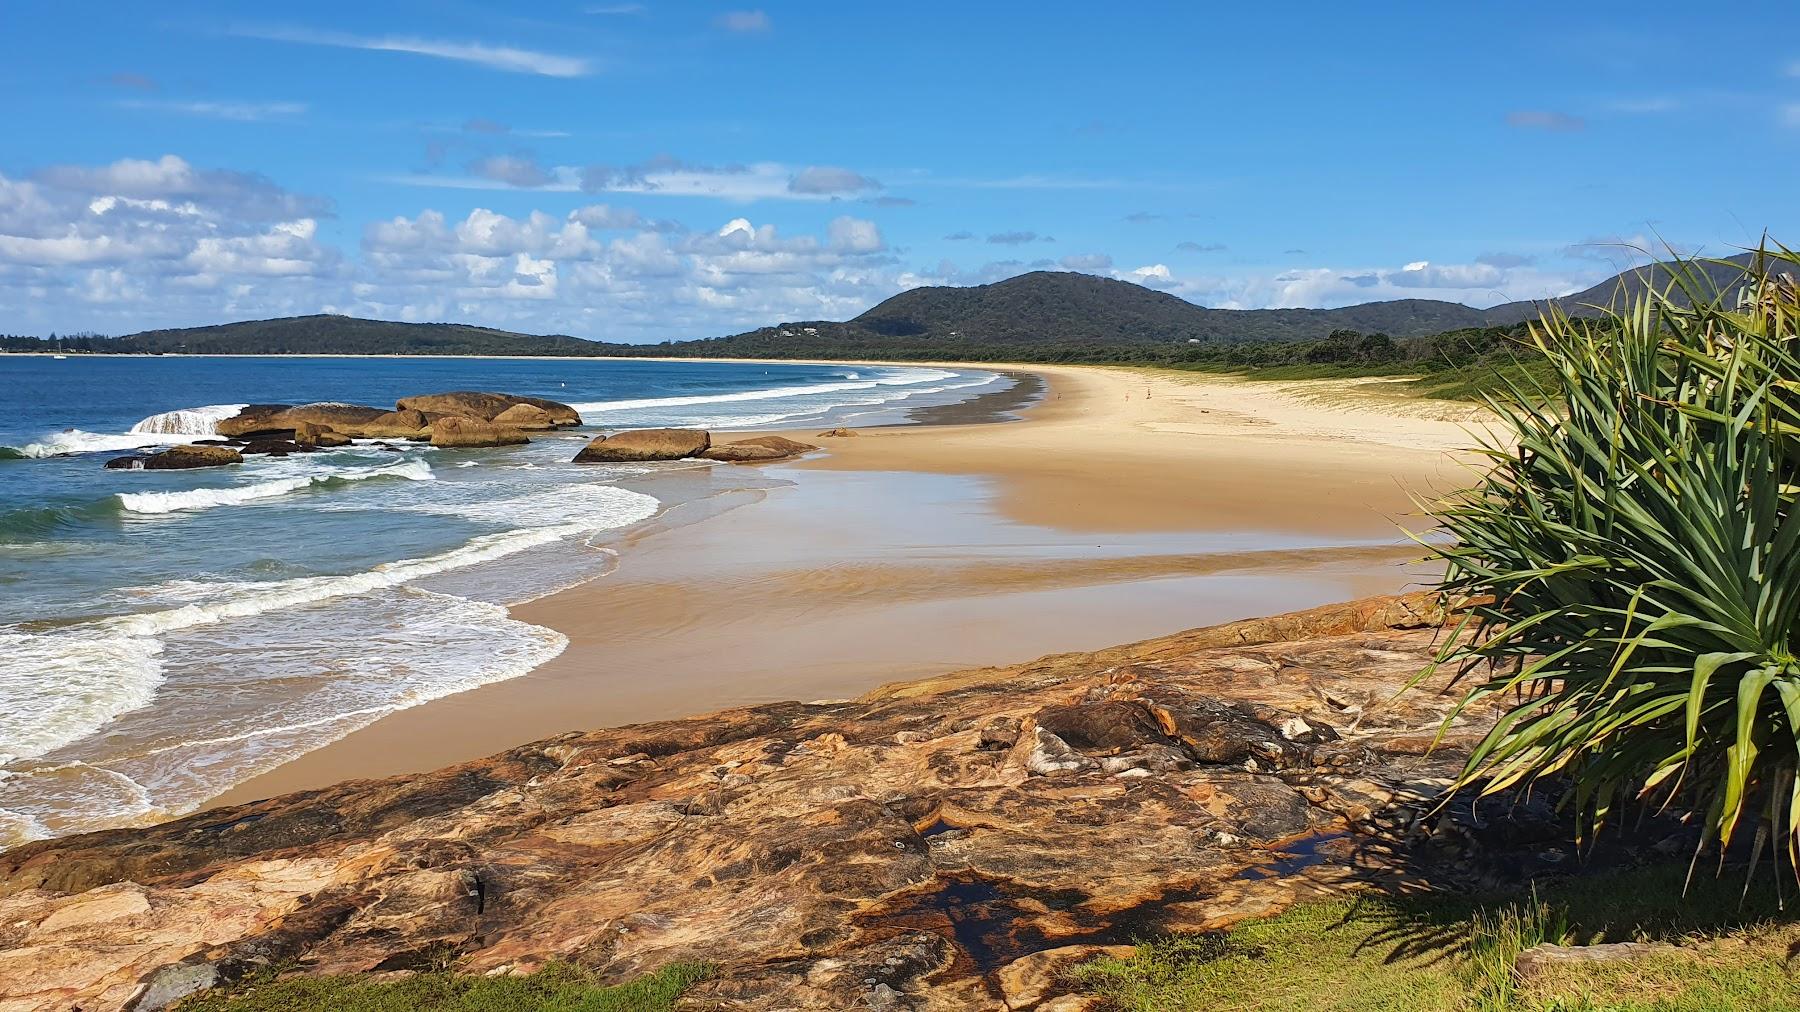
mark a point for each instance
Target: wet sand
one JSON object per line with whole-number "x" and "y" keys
{"x": 1104, "y": 516}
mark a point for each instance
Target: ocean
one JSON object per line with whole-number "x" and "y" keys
{"x": 165, "y": 635}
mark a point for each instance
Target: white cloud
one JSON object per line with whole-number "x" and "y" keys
{"x": 513, "y": 170}
{"x": 854, "y": 235}
{"x": 1417, "y": 265}
{"x": 828, "y": 179}
{"x": 241, "y": 112}
{"x": 743, "y": 22}
{"x": 508, "y": 58}
{"x": 1545, "y": 119}
{"x": 149, "y": 237}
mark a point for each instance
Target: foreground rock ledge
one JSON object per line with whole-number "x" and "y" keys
{"x": 944, "y": 844}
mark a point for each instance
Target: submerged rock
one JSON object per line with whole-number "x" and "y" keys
{"x": 645, "y": 445}
{"x": 177, "y": 458}
{"x": 455, "y": 431}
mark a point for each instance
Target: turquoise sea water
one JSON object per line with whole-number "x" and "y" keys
{"x": 164, "y": 635}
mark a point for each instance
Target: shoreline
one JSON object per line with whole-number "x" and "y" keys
{"x": 912, "y": 550}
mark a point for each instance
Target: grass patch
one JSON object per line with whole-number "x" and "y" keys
{"x": 1450, "y": 954}
{"x": 558, "y": 988}
{"x": 1471, "y": 383}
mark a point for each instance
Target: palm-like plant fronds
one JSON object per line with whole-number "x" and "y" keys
{"x": 1635, "y": 540}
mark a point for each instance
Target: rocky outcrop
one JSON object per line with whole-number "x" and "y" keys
{"x": 837, "y": 433}
{"x": 313, "y": 434}
{"x": 758, "y": 448}
{"x": 178, "y": 458}
{"x": 936, "y": 845}
{"x": 528, "y": 417}
{"x": 468, "y": 433}
{"x": 272, "y": 419}
{"x": 402, "y": 424}
{"x": 638, "y": 445}
{"x": 487, "y": 406}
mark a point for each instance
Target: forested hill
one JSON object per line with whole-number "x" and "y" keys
{"x": 1041, "y": 316}
{"x": 323, "y": 335}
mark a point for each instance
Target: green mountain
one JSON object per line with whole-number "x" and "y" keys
{"x": 1042, "y": 316}
{"x": 345, "y": 335}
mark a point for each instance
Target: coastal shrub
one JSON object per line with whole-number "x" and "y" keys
{"x": 1631, "y": 554}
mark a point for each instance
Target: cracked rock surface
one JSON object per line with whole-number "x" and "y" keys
{"x": 952, "y": 843}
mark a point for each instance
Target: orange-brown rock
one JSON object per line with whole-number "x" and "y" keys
{"x": 263, "y": 419}
{"x": 487, "y": 406}
{"x": 468, "y": 433}
{"x": 314, "y": 434}
{"x": 403, "y": 424}
{"x": 636, "y": 445}
{"x": 758, "y": 448}
{"x": 837, "y": 433}
{"x": 528, "y": 417}
{"x": 947, "y": 844}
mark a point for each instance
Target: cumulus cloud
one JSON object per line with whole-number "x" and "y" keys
{"x": 1544, "y": 119}
{"x": 1422, "y": 274}
{"x": 1196, "y": 247}
{"x": 1362, "y": 280}
{"x": 496, "y": 57}
{"x": 743, "y": 22}
{"x": 830, "y": 180}
{"x": 959, "y": 236}
{"x": 134, "y": 239}
{"x": 1017, "y": 238}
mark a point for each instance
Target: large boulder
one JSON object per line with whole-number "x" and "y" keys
{"x": 487, "y": 406}
{"x": 759, "y": 448}
{"x": 404, "y": 424}
{"x": 529, "y": 417}
{"x": 269, "y": 419}
{"x": 314, "y": 434}
{"x": 645, "y": 444}
{"x": 465, "y": 433}
{"x": 177, "y": 458}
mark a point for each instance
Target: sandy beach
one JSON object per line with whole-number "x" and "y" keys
{"x": 1124, "y": 504}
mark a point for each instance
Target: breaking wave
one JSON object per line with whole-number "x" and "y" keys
{"x": 207, "y": 498}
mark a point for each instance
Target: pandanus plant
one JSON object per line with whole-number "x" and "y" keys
{"x": 1632, "y": 556}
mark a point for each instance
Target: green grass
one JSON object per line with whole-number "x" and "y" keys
{"x": 557, "y": 988}
{"x": 1447, "y": 954}
{"x": 1470, "y": 382}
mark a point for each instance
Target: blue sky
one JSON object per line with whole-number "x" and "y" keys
{"x": 647, "y": 171}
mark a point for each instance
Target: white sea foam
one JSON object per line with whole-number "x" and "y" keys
{"x": 601, "y": 507}
{"x": 60, "y": 687}
{"x": 908, "y": 377}
{"x": 201, "y": 421}
{"x": 234, "y": 495}
{"x": 79, "y": 441}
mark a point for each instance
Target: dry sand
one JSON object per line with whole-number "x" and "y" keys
{"x": 1126, "y": 504}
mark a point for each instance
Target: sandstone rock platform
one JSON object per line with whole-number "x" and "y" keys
{"x": 945, "y": 844}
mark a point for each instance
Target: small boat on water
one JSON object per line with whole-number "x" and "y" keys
{"x": 59, "y": 356}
